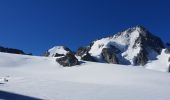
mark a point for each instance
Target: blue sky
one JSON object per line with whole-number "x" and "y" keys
{"x": 36, "y": 25}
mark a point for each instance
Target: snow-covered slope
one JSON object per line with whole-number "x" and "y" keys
{"x": 42, "y": 77}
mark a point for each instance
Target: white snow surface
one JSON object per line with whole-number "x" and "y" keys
{"x": 58, "y": 50}
{"x": 161, "y": 63}
{"x": 42, "y": 77}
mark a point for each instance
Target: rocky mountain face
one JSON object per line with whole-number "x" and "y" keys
{"x": 133, "y": 46}
{"x": 11, "y": 50}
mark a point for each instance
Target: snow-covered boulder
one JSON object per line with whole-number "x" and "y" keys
{"x": 57, "y": 51}
{"x": 68, "y": 60}
{"x": 65, "y": 56}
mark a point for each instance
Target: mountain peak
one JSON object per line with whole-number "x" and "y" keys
{"x": 135, "y": 46}
{"x": 138, "y": 29}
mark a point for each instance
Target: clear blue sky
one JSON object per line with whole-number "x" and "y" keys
{"x": 36, "y": 25}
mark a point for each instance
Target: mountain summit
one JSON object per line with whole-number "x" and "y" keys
{"x": 134, "y": 46}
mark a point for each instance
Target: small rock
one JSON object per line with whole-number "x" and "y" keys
{"x": 88, "y": 57}
{"x": 68, "y": 60}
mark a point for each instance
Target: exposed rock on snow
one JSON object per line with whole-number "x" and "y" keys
{"x": 87, "y": 57}
{"x": 140, "y": 59}
{"x": 109, "y": 56}
{"x": 68, "y": 60}
{"x": 82, "y": 50}
{"x": 83, "y": 53}
{"x": 57, "y": 51}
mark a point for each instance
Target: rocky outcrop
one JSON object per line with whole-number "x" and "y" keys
{"x": 82, "y": 50}
{"x": 87, "y": 57}
{"x": 140, "y": 59}
{"x": 169, "y": 59}
{"x": 109, "y": 56}
{"x": 11, "y": 50}
{"x": 83, "y": 53}
{"x": 68, "y": 60}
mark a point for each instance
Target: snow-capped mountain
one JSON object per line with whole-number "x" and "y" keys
{"x": 57, "y": 51}
{"x": 135, "y": 46}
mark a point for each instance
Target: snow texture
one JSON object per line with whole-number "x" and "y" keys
{"x": 43, "y": 78}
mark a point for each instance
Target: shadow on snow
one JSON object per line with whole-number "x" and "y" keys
{"x": 13, "y": 96}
